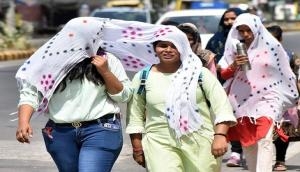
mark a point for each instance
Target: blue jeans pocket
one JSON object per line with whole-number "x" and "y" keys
{"x": 47, "y": 131}
{"x": 110, "y": 124}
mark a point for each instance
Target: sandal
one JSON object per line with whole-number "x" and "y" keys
{"x": 279, "y": 166}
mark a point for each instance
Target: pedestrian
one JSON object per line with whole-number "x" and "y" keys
{"x": 77, "y": 85}
{"x": 256, "y": 11}
{"x": 290, "y": 120}
{"x": 276, "y": 31}
{"x": 216, "y": 44}
{"x": 193, "y": 35}
{"x": 84, "y": 10}
{"x": 170, "y": 124}
{"x": 258, "y": 96}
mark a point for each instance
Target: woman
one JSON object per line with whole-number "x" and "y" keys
{"x": 78, "y": 89}
{"x": 216, "y": 45}
{"x": 170, "y": 124}
{"x": 193, "y": 35}
{"x": 217, "y": 42}
{"x": 259, "y": 96}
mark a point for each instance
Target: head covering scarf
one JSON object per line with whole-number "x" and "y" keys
{"x": 190, "y": 28}
{"x": 131, "y": 42}
{"x": 269, "y": 88}
{"x": 217, "y": 43}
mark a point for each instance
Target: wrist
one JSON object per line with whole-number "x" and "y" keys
{"x": 105, "y": 73}
{"x": 23, "y": 120}
{"x": 138, "y": 151}
{"x": 232, "y": 67}
{"x": 220, "y": 134}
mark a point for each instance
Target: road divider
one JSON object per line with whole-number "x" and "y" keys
{"x": 16, "y": 54}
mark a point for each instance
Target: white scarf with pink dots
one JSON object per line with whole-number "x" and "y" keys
{"x": 131, "y": 42}
{"x": 269, "y": 88}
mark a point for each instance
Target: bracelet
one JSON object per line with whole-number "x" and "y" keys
{"x": 220, "y": 134}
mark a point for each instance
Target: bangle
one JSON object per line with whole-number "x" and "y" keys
{"x": 220, "y": 134}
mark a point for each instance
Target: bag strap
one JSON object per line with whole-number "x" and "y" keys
{"x": 200, "y": 81}
{"x": 143, "y": 77}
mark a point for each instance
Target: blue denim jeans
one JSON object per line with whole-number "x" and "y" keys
{"x": 91, "y": 148}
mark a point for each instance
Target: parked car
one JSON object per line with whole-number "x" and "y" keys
{"x": 124, "y": 13}
{"x": 207, "y": 20}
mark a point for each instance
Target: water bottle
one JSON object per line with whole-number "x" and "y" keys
{"x": 241, "y": 50}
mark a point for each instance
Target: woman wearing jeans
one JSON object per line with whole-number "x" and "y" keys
{"x": 77, "y": 85}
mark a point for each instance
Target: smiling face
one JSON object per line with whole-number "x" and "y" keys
{"x": 246, "y": 34}
{"x": 167, "y": 52}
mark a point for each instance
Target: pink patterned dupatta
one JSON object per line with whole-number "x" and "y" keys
{"x": 269, "y": 88}
{"x": 131, "y": 42}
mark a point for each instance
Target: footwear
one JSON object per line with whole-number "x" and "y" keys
{"x": 233, "y": 161}
{"x": 279, "y": 166}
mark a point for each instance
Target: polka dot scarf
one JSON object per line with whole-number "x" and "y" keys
{"x": 131, "y": 42}
{"x": 269, "y": 88}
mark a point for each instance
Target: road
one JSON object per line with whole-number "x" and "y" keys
{"x": 16, "y": 157}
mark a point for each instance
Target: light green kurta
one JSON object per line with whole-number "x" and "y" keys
{"x": 162, "y": 151}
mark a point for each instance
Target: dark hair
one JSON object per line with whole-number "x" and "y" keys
{"x": 154, "y": 44}
{"x": 252, "y": 10}
{"x": 276, "y": 31}
{"x": 188, "y": 29}
{"x": 84, "y": 69}
{"x": 237, "y": 11}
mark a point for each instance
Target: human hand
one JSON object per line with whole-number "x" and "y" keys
{"x": 219, "y": 146}
{"x": 24, "y": 132}
{"x": 240, "y": 60}
{"x": 101, "y": 64}
{"x": 139, "y": 158}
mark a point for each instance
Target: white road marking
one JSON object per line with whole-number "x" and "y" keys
{"x": 13, "y": 113}
{"x": 12, "y": 120}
